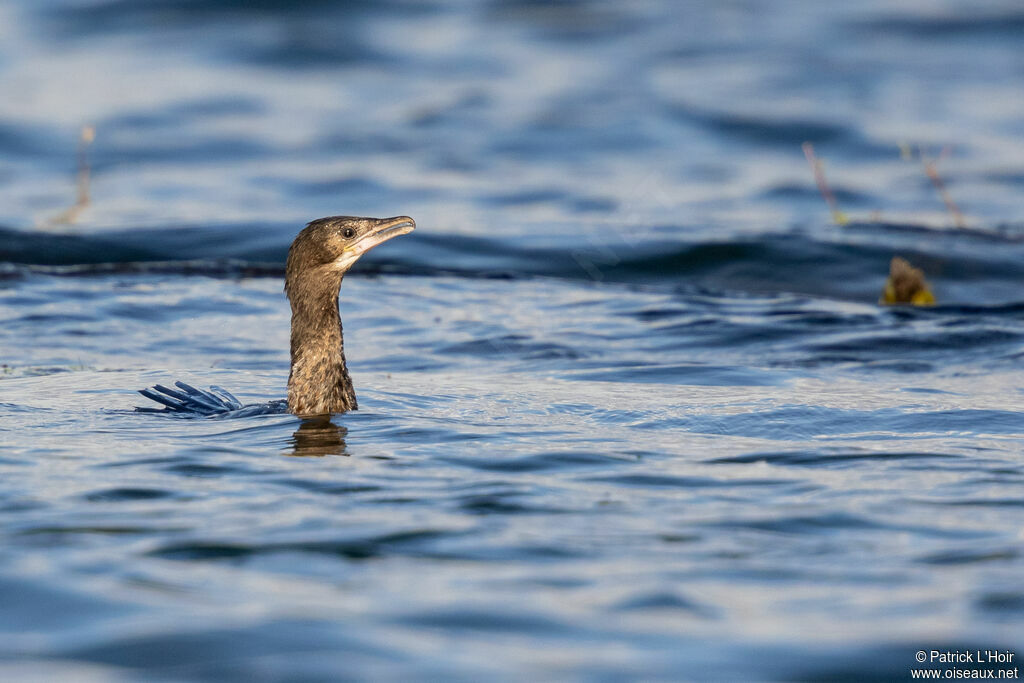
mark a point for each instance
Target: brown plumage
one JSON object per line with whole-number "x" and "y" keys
{"x": 319, "y": 383}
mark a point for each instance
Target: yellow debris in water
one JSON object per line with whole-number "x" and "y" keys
{"x": 906, "y": 285}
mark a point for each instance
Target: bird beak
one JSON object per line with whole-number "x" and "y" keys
{"x": 383, "y": 230}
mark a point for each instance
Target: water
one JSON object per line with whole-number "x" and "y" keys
{"x": 628, "y": 406}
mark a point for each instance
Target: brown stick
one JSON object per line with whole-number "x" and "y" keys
{"x": 932, "y": 171}
{"x": 84, "y": 171}
{"x": 838, "y": 217}
{"x": 83, "y": 199}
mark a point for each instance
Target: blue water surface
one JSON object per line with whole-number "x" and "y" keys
{"x": 629, "y": 408}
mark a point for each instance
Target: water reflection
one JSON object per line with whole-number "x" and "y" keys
{"x": 318, "y": 437}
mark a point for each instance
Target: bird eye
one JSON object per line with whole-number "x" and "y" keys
{"x": 349, "y": 233}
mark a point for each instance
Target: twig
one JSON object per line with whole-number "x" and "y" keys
{"x": 84, "y": 172}
{"x": 838, "y": 217}
{"x": 932, "y": 171}
{"x": 70, "y": 215}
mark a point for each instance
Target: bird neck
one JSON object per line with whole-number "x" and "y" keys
{"x": 319, "y": 383}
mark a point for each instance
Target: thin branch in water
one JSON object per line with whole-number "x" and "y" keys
{"x": 838, "y": 217}
{"x": 932, "y": 171}
{"x": 83, "y": 199}
{"x": 84, "y": 171}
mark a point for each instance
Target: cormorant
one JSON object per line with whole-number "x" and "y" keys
{"x": 318, "y": 383}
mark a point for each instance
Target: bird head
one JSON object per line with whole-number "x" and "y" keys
{"x": 331, "y": 245}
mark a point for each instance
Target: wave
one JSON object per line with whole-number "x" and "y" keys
{"x": 968, "y": 268}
